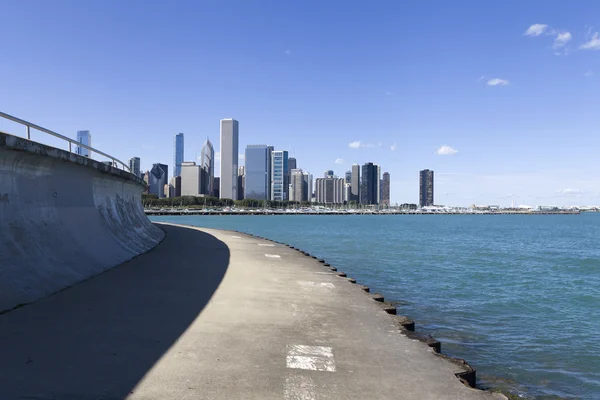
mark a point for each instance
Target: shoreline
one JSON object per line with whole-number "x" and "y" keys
{"x": 169, "y": 212}
{"x": 406, "y": 325}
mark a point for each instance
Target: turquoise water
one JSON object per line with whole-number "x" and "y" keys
{"x": 518, "y": 297}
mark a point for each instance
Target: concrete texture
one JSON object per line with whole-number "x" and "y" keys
{"x": 212, "y": 314}
{"x": 65, "y": 218}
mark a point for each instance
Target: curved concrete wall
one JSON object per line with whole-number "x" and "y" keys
{"x": 63, "y": 218}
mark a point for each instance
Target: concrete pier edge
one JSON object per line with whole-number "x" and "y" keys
{"x": 406, "y": 326}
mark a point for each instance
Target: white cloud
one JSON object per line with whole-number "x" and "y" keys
{"x": 593, "y": 43}
{"x": 357, "y": 144}
{"x": 446, "y": 151}
{"x": 339, "y": 161}
{"x": 570, "y": 191}
{"x": 536, "y": 30}
{"x": 394, "y": 147}
{"x": 589, "y": 73}
{"x": 389, "y": 93}
{"x": 288, "y": 52}
{"x": 497, "y": 82}
{"x": 561, "y": 39}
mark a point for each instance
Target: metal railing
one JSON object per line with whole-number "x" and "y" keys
{"x": 30, "y": 126}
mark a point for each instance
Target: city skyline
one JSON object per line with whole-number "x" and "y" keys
{"x": 482, "y": 104}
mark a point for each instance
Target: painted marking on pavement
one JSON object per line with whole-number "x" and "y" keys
{"x": 266, "y": 244}
{"x": 272, "y": 255}
{"x": 324, "y": 273}
{"x": 312, "y": 358}
{"x": 317, "y": 284}
{"x": 236, "y": 237}
{"x": 298, "y": 387}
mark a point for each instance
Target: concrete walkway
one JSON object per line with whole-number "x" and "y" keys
{"x": 216, "y": 315}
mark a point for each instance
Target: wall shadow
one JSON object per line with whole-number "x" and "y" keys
{"x": 97, "y": 339}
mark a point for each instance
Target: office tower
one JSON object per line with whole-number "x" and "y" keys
{"x": 134, "y": 166}
{"x": 329, "y": 174}
{"x": 385, "y": 189}
{"x": 191, "y": 179}
{"x": 216, "y": 192}
{"x": 355, "y": 183}
{"x": 229, "y": 159}
{"x": 425, "y": 188}
{"x": 84, "y": 137}
{"x": 175, "y": 183}
{"x": 369, "y": 184}
{"x": 349, "y": 177}
{"x": 258, "y": 170}
{"x": 297, "y": 186}
{"x": 158, "y": 179}
{"x": 207, "y": 163}
{"x": 291, "y": 166}
{"x": 279, "y": 175}
{"x": 177, "y": 154}
{"x": 307, "y": 186}
{"x": 330, "y": 190}
{"x": 378, "y": 190}
{"x": 241, "y": 182}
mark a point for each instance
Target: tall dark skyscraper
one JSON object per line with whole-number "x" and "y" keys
{"x": 177, "y": 154}
{"x": 385, "y": 189}
{"x": 258, "y": 172}
{"x": 426, "y": 188}
{"x": 355, "y": 183}
{"x": 369, "y": 185}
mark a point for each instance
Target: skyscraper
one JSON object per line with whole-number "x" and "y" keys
{"x": 369, "y": 184}
{"x": 425, "y": 188}
{"x": 291, "y": 166}
{"x": 177, "y": 154}
{"x": 297, "y": 185}
{"x": 279, "y": 175}
{"x": 355, "y": 183}
{"x": 307, "y": 187}
{"x": 378, "y": 190}
{"x": 207, "y": 163}
{"x": 229, "y": 159}
{"x": 330, "y": 190}
{"x": 241, "y": 182}
{"x": 158, "y": 178}
{"x": 134, "y": 166}
{"x": 385, "y": 189}
{"x": 349, "y": 177}
{"x": 258, "y": 170}
{"x": 191, "y": 179}
{"x": 84, "y": 137}
{"x": 329, "y": 174}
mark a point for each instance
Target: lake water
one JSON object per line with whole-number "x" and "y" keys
{"x": 517, "y": 296}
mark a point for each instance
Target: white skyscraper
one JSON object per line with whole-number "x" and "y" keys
{"x": 84, "y": 137}
{"x": 229, "y": 159}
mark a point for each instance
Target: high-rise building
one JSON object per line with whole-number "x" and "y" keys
{"x": 426, "y": 188}
{"x": 329, "y": 174}
{"x": 158, "y": 178}
{"x": 258, "y": 172}
{"x": 241, "y": 182}
{"x": 84, "y": 137}
{"x": 378, "y": 185}
{"x": 217, "y": 182}
{"x": 191, "y": 179}
{"x": 297, "y": 186}
{"x": 329, "y": 190}
{"x": 355, "y": 183}
{"x": 207, "y": 163}
{"x": 175, "y": 183}
{"x": 279, "y": 175}
{"x": 385, "y": 189}
{"x": 369, "y": 184}
{"x": 291, "y": 166}
{"x": 349, "y": 177}
{"x": 134, "y": 166}
{"x": 229, "y": 159}
{"x": 177, "y": 154}
{"x": 307, "y": 187}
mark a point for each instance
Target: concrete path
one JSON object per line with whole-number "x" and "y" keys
{"x": 216, "y": 315}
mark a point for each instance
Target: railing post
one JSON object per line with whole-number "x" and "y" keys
{"x": 28, "y": 133}
{"x": 70, "y": 147}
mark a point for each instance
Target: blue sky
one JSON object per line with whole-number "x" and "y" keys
{"x": 511, "y": 87}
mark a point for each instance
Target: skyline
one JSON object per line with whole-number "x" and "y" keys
{"x": 502, "y": 108}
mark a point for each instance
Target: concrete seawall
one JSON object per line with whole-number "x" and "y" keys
{"x": 63, "y": 218}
